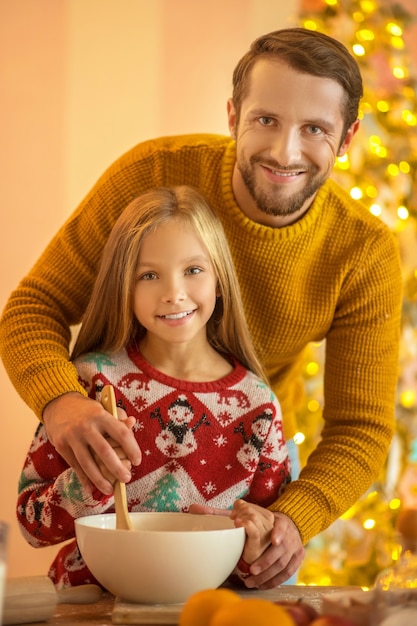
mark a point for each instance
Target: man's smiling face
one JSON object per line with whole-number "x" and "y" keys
{"x": 288, "y": 135}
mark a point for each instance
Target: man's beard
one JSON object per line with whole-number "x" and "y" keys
{"x": 277, "y": 204}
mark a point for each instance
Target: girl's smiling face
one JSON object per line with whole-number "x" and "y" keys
{"x": 175, "y": 289}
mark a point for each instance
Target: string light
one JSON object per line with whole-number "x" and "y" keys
{"x": 312, "y": 368}
{"x": 408, "y": 398}
{"x": 313, "y": 406}
{"x": 371, "y": 191}
{"x": 369, "y": 523}
{"x": 299, "y": 438}
{"x": 367, "y": 6}
{"x": 358, "y": 16}
{"x": 394, "y": 29}
{"x": 404, "y": 167}
{"x": 393, "y": 169}
{"x": 397, "y": 43}
{"x": 365, "y": 35}
{"x": 356, "y": 193}
{"x": 358, "y": 49}
{"x": 395, "y": 553}
{"x": 399, "y": 72}
{"x": 409, "y": 117}
{"x": 394, "y": 504}
{"x": 375, "y": 209}
{"x": 310, "y": 24}
{"x": 403, "y": 213}
{"x": 343, "y": 162}
{"x": 382, "y": 105}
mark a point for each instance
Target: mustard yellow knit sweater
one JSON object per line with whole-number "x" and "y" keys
{"x": 333, "y": 275}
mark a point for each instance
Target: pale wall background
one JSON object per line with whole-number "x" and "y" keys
{"x": 81, "y": 81}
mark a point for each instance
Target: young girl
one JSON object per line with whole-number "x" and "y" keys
{"x": 165, "y": 326}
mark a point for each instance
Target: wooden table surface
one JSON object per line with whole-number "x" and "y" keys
{"x": 107, "y": 611}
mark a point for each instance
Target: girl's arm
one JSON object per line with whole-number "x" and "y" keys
{"x": 258, "y": 521}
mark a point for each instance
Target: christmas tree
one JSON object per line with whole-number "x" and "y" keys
{"x": 380, "y": 171}
{"x": 164, "y": 496}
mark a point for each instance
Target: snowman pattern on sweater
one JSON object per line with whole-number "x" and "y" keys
{"x": 176, "y": 438}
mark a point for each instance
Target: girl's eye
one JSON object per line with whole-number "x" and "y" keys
{"x": 148, "y": 276}
{"x": 193, "y": 270}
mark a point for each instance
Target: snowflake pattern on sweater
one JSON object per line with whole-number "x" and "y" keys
{"x": 208, "y": 443}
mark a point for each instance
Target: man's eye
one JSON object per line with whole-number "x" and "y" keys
{"x": 266, "y": 121}
{"x": 315, "y": 130}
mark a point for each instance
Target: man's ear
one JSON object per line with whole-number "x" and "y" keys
{"x": 231, "y": 117}
{"x": 351, "y": 132}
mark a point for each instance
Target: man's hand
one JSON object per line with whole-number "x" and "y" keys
{"x": 79, "y": 429}
{"x": 280, "y": 561}
{"x": 129, "y": 422}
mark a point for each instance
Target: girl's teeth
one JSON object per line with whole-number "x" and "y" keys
{"x": 177, "y": 316}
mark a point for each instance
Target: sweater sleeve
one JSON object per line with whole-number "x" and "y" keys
{"x": 360, "y": 378}
{"x": 50, "y": 496}
{"x": 272, "y": 473}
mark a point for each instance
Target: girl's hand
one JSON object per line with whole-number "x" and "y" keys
{"x": 258, "y": 523}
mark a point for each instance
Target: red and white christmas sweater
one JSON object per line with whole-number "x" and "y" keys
{"x": 208, "y": 442}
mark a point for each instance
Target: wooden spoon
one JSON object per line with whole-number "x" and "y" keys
{"x": 123, "y": 521}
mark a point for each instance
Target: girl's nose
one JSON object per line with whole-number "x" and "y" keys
{"x": 173, "y": 291}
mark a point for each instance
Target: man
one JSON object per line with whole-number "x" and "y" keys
{"x": 312, "y": 263}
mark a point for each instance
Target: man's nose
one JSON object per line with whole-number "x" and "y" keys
{"x": 286, "y": 147}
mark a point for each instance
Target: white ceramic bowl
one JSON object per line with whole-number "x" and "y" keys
{"x": 164, "y": 559}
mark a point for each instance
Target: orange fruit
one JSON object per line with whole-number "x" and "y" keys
{"x": 251, "y": 612}
{"x": 201, "y": 606}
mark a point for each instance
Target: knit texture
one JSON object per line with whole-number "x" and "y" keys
{"x": 206, "y": 443}
{"x": 334, "y": 275}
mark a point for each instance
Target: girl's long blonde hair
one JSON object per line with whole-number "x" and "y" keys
{"x": 109, "y": 323}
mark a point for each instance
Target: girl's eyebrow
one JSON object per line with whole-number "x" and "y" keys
{"x": 194, "y": 259}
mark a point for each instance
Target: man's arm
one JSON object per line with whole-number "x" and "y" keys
{"x": 360, "y": 380}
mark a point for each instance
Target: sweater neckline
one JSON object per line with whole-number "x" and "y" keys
{"x": 234, "y": 377}
{"x": 235, "y": 214}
